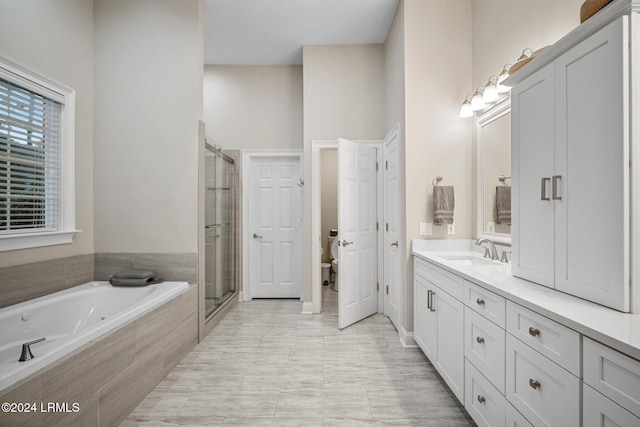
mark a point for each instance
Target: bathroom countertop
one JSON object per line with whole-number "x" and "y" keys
{"x": 618, "y": 330}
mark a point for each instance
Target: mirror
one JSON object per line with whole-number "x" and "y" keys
{"x": 493, "y": 151}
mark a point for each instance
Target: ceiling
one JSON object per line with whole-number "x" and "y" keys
{"x": 270, "y": 32}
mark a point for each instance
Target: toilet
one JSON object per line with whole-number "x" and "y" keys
{"x": 334, "y": 258}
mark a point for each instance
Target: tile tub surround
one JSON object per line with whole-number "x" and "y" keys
{"x": 181, "y": 267}
{"x": 267, "y": 364}
{"x": 111, "y": 375}
{"x": 28, "y": 281}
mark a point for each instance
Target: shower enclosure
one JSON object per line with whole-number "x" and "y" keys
{"x": 220, "y": 228}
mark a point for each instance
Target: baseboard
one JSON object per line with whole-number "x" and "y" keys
{"x": 406, "y": 338}
{"x": 240, "y": 297}
{"x": 307, "y": 307}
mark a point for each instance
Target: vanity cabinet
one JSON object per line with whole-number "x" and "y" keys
{"x": 611, "y": 389}
{"x": 439, "y": 322}
{"x": 570, "y": 168}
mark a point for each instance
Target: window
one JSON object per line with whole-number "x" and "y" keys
{"x": 36, "y": 160}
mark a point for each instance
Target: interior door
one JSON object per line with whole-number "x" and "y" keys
{"x": 276, "y": 224}
{"x": 391, "y": 225}
{"x": 357, "y": 259}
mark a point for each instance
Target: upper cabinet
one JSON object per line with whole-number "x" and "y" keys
{"x": 571, "y": 169}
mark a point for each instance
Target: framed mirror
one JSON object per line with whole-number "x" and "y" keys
{"x": 493, "y": 172}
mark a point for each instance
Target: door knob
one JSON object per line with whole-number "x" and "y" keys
{"x": 395, "y": 244}
{"x": 256, "y": 236}
{"x": 345, "y": 243}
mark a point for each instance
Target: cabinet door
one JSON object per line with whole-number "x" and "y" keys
{"x": 425, "y": 321}
{"x": 532, "y": 160}
{"x": 592, "y": 166}
{"x": 451, "y": 342}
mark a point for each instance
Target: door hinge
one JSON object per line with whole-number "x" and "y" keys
{"x": 386, "y": 164}
{"x": 376, "y": 165}
{"x": 377, "y": 226}
{"x": 386, "y": 226}
{"x": 387, "y": 289}
{"x": 377, "y": 286}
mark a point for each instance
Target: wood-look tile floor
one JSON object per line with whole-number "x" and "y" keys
{"x": 265, "y": 364}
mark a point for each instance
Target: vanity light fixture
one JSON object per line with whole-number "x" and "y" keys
{"x": 525, "y": 54}
{"x": 490, "y": 93}
{"x": 466, "y": 110}
{"x": 477, "y": 102}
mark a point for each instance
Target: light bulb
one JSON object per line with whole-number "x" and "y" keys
{"x": 466, "y": 110}
{"x": 490, "y": 92}
{"x": 477, "y": 102}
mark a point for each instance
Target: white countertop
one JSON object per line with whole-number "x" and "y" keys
{"x": 620, "y": 331}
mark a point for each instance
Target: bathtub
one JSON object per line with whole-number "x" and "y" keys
{"x": 70, "y": 319}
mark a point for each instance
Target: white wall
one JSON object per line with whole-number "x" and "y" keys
{"x": 503, "y": 28}
{"x": 437, "y": 74}
{"x": 56, "y": 39}
{"x": 329, "y": 198}
{"x": 394, "y": 70}
{"x": 148, "y": 92}
{"x": 256, "y": 107}
{"x": 343, "y": 97}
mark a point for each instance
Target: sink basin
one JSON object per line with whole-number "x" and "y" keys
{"x": 467, "y": 260}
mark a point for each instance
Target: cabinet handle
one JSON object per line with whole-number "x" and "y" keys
{"x": 480, "y": 301}
{"x": 543, "y": 188}
{"x": 534, "y": 332}
{"x": 554, "y": 188}
{"x": 481, "y": 399}
{"x": 534, "y": 384}
{"x": 429, "y": 299}
{"x": 480, "y": 340}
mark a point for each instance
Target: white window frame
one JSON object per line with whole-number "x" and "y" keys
{"x": 29, "y": 79}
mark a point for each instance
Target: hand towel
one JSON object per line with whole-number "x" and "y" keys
{"x": 503, "y": 204}
{"x": 134, "y": 277}
{"x": 443, "y": 204}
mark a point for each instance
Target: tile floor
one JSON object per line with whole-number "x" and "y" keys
{"x": 267, "y": 364}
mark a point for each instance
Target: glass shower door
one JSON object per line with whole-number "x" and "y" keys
{"x": 219, "y": 229}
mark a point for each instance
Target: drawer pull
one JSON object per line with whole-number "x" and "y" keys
{"x": 480, "y": 301}
{"x": 481, "y": 399}
{"x": 534, "y": 332}
{"x": 429, "y": 299}
{"x": 480, "y": 340}
{"x": 534, "y": 384}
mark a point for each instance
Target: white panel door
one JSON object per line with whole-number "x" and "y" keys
{"x": 592, "y": 168}
{"x": 276, "y": 225}
{"x": 532, "y": 166}
{"x": 392, "y": 225}
{"x": 357, "y": 207}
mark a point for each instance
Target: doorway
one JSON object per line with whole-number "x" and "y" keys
{"x": 272, "y": 224}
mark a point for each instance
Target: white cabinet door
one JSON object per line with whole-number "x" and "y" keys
{"x": 600, "y": 411}
{"x": 450, "y": 337}
{"x": 532, "y": 166}
{"x": 425, "y": 320}
{"x": 592, "y": 168}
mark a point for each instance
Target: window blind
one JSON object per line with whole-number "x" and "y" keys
{"x": 30, "y": 160}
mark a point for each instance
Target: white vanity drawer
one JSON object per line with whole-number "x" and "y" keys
{"x": 515, "y": 418}
{"x": 485, "y": 302}
{"x": 613, "y": 374}
{"x": 599, "y": 411}
{"x": 557, "y": 342}
{"x": 542, "y": 391}
{"x": 482, "y": 401}
{"x": 484, "y": 347}
{"x": 446, "y": 281}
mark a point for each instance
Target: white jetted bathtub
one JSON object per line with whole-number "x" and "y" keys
{"x": 70, "y": 319}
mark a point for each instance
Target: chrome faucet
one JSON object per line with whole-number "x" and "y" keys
{"x": 26, "y": 350}
{"x": 491, "y": 251}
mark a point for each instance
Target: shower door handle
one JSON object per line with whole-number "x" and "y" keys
{"x": 256, "y": 236}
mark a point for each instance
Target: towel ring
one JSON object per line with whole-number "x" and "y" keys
{"x": 436, "y": 180}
